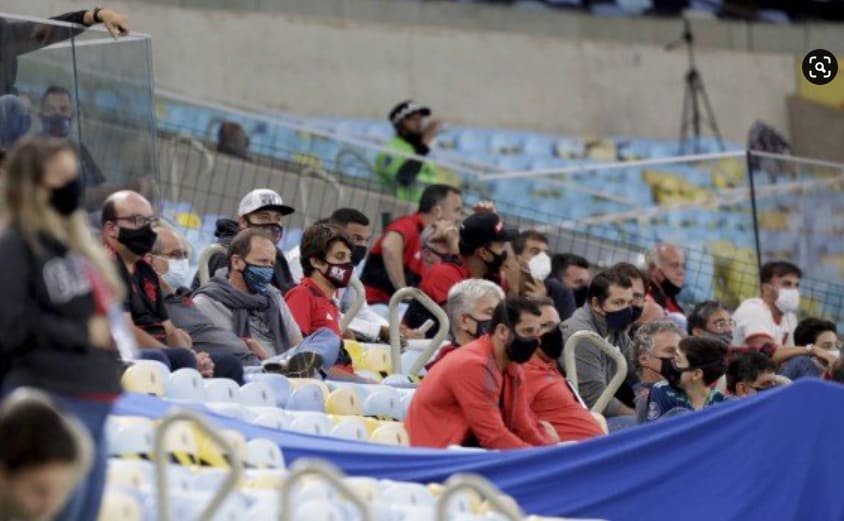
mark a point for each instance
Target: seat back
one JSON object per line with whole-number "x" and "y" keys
{"x": 273, "y": 419}
{"x": 383, "y": 403}
{"x": 311, "y": 423}
{"x": 308, "y": 397}
{"x": 117, "y": 504}
{"x": 350, "y": 428}
{"x": 392, "y": 433}
{"x": 412, "y": 494}
{"x": 185, "y": 384}
{"x": 344, "y": 401}
{"x": 262, "y": 453}
{"x": 279, "y": 384}
{"x": 257, "y": 394}
{"x": 222, "y": 390}
{"x": 129, "y": 436}
{"x": 143, "y": 378}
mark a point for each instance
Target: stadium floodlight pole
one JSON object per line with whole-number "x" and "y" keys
{"x": 695, "y": 94}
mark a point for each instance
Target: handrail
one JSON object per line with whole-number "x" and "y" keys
{"x": 162, "y": 460}
{"x": 487, "y": 490}
{"x": 395, "y": 334}
{"x": 611, "y": 351}
{"x": 319, "y": 174}
{"x": 204, "y": 257}
{"x": 357, "y": 304}
{"x": 306, "y": 467}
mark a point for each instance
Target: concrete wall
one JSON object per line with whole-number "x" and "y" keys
{"x": 320, "y": 65}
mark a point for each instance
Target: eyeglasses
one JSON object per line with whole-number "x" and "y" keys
{"x": 174, "y": 255}
{"x": 723, "y": 324}
{"x": 139, "y": 220}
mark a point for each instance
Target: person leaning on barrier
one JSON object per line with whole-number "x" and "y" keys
{"x": 43, "y": 457}
{"x": 58, "y": 289}
{"x": 21, "y": 37}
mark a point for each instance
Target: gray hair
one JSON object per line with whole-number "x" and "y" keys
{"x": 655, "y": 255}
{"x": 643, "y": 342}
{"x": 463, "y": 295}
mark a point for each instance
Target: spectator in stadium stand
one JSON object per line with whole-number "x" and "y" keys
{"x": 396, "y": 258}
{"x": 644, "y": 309}
{"x": 531, "y": 251}
{"x": 233, "y": 140}
{"x": 470, "y": 306}
{"x": 474, "y": 396}
{"x": 607, "y": 313}
{"x": 14, "y": 121}
{"x": 654, "y": 342}
{"x": 264, "y": 209}
{"x": 768, "y": 321}
{"x": 482, "y": 247}
{"x": 750, "y": 372}
{"x": 243, "y": 300}
{"x": 21, "y": 37}
{"x": 667, "y": 271}
{"x": 169, "y": 258}
{"x": 43, "y": 457}
{"x": 822, "y": 336}
{"x": 689, "y": 379}
{"x": 548, "y": 393}
{"x": 408, "y": 176}
{"x": 573, "y": 271}
{"x": 58, "y": 288}
{"x": 127, "y": 220}
{"x": 710, "y": 319}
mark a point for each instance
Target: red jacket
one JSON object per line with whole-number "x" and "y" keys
{"x": 467, "y": 395}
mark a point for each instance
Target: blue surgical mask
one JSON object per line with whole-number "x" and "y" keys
{"x": 178, "y": 273}
{"x": 258, "y": 278}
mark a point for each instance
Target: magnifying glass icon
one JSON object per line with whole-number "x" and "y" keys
{"x": 820, "y": 67}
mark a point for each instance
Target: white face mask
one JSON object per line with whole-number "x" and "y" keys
{"x": 178, "y": 273}
{"x": 788, "y": 300}
{"x": 540, "y": 266}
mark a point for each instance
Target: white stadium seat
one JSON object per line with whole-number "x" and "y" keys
{"x": 263, "y": 453}
{"x": 222, "y": 390}
{"x": 279, "y": 385}
{"x": 308, "y": 397}
{"x": 276, "y": 419}
{"x": 185, "y": 384}
{"x": 257, "y": 394}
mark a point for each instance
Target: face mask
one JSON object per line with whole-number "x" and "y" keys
{"x": 257, "y": 278}
{"x": 178, "y": 272}
{"x": 56, "y": 125}
{"x": 274, "y": 231}
{"x": 481, "y": 327}
{"x": 521, "y": 349}
{"x": 788, "y": 300}
{"x": 339, "y": 274}
{"x": 637, "y": 312}
{"x": 138, "y": 241}
{"x": 494, "y": 266}
{"x": 65, "y": 200}
{"x": 358, "y": 254}
{"x": 618, "y": 320}
{"x": 580, "y": 295}
{"x": 552, "y": 343}
{"x": 671, "y": 372}
{"x": 540, "y": 266}
{"x": 670, "y": 288}
{"x": 726, "y": 339}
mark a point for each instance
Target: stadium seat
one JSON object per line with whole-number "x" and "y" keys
{"x": 264, "y": 454}
{"x": 222, "y": 390}
{"x": 307, "y": 397}
{"x": 119, "y": 505}
{"x": 180, "y": 441}
{"x": 350, "y": 428}
{"x": 384, "y": 403}
{"x": 367, "y": 488}
{"x": 279, "y": 384}
{"x": 344, "y": 401}
{"x": 143, "y": 378}
{"x": 407, "y": 494}
{"x": 311, "y": 423}
{"x": 185, "y": 384}
{"x": 257, "y": 394}
{"x": 273, "y": 419}
{"x": 130, "y": 473}
{"x": 232, "y": 410}
{"x": 207, "y": 479}
{"x": 316, "y": 510}
{"x": 129, "y": 437}
{"x": 391, "y": 433}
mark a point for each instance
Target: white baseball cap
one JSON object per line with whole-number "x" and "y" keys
{"x": 260, "y": 199}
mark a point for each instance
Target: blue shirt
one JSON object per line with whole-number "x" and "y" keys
{"x": 665, "y": 398}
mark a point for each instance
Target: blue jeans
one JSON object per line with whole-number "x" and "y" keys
{"x": 84, "y": 504}
{"x": 800, "y": 367}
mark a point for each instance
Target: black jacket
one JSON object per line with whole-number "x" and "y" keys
{"x": 226, "y": 230}
{"x": 47, "y": 302}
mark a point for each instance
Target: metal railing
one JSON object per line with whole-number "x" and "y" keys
{"x": 484, "y": 488}
{"x": 310, "y": 467}
{"x": 590, "y": 337}
{"x": 356, "y": 286}
{"x": 395, "y": 334}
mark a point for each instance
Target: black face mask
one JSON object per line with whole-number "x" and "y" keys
{"x": 552, "y": 343}
{"x": 637, "y": 312}
{"x": 482, "y": 327}
{"x": 494, "y": 266}
{"x": 65, "y": 200}
{"x": 670, "y": 288}
{"x": 138, "y": 241}
{"x": 521, "y": 349}
{"x": 580, "y": 295}
{"x": 671, "y": 372}
{"x": 618, "y": 320}
{"x": 358, "y": 254}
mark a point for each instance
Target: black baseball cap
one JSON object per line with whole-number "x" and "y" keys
{"x": 483, "y": 228}
{"x": 405, "y": 109}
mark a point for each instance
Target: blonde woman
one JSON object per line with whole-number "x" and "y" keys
{"x": 57, "y": 287}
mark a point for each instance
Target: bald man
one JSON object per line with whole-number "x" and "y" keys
{"x": 667, "y": 270}
{"x": 127, "y": 231}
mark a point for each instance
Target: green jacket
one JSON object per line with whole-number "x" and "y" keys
{"x": 406, "y": 177}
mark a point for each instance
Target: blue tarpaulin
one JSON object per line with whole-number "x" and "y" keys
{"x": 776, "y": 456}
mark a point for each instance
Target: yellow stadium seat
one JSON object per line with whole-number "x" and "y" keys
{"x": 180, "y": 442}
{"x": 391, "y": 433}
{"x": 344, "y": 401}
{"x": 143, "y": 378}
{"x": 372, "y": 424}
{"x": 119, "y": 505}
{"x": 211, "y": 454}
{"x": 377, "y": 360}
{"x": 188, "y": 220}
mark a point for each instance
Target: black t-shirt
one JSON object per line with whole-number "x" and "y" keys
{"x": 144, "y": 299}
